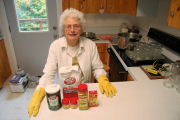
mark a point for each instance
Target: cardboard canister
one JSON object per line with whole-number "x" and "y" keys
{"x": 53, "y": 97}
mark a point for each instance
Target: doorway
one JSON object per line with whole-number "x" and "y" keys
{"x": 33, "y": 27}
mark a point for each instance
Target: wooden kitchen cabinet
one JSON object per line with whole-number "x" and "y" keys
{"x": 115, "y": 6}
{"x": 174, "y": 14}
{"x": 86, "y": 6}
{"x": 102, "y": 50}
{"x": 131, "y": 7}
{"x": 121, "y": 6}
{"x": 5, "y": 70}
{"x": 93, "y": 6}
{"x": 71, "y": 4}
{"x": 109, "y": 6}
{"x": 117, "y": 72}
{"x": 129, "y": 78}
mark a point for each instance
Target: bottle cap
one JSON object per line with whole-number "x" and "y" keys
{"x": 52, "y": 88}
{"x": 82, "y": 87}
{"x": 93, "y": 92}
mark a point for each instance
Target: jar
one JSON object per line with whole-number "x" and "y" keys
{"x": 93, "y": 98}
{"x": 53, "y": 96}
{"x": 73, "y": 103}
{"x": 83, "y": 96}
{"x": 65, "y": 103}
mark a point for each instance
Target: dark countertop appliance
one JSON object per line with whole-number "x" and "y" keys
{"x": 166, "y": 39}
{"x": 130, "y": 63}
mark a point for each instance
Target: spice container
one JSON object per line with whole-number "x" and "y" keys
{"x": 93, "y": 98}
{"x": 65, "y": 103}
{"x": 53, "y": 96}
{"x": 73, "y": 103}
{"x": 83, "y": 96}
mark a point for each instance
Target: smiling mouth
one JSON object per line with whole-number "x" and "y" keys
{"x": 72, "y": 35}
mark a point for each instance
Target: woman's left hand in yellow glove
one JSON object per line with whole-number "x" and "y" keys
{"x": 34, "y": 104}
{"x": 106, "y": 86}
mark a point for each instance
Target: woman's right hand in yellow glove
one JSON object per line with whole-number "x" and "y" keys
{"x": 34, "y": 104}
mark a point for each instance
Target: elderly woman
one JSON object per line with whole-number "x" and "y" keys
{"x": 72, "y": 49}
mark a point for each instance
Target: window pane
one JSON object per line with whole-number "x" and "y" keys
{"x": 31, "y": 15}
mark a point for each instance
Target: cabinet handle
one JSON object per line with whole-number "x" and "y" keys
{"x": 178, "y": 9}
{"x": 81, "y": 6}
{"x": 101, "y": 7}
{"x": 172, "y": 14}
{"x": 54, "y": 27}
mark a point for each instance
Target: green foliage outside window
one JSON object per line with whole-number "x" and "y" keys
{"x": 30, "y": 13}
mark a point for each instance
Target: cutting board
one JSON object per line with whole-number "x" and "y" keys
{"x": 150, "y": 75}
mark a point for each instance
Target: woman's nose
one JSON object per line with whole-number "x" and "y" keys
{"x": 72, "y": 28}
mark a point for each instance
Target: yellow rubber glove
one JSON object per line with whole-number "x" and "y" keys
{"x": 34, "y": 104}
{"x": 106, "y": 86}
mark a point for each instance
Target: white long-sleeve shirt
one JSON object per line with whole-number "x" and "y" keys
{"x": 58, "y": 57}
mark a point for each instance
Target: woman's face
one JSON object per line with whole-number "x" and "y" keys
{"x": 72, "y": 30}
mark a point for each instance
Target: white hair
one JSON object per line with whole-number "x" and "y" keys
{"x": 71, "y": 12}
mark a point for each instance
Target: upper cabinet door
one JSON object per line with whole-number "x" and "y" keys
{"x": 93, "y": 6}
{"x": 115, "y": 6}
{"x": 86, "y": 6}
{"x": 77, "y": 4}
{"x": 109, "y": 6}
{"x": 174, "y": 14}
{"x": 65, "y": 4}
{"x": 131, "y": 7}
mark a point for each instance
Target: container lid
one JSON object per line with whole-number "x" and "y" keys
{"x": 65, "y": 101}
{"x": 52, "y": 88}
{"x": 82, "y": 87}
{"x": 93, "y": 92}
{"x": 73, "y": 100}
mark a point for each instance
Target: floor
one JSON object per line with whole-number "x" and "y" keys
{"x": 13, "y": 106}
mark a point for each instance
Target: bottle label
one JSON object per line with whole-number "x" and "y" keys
{"x": 53, "y": 100}
{"x": 93, "y": 100}
{"x": 83, "y": 102}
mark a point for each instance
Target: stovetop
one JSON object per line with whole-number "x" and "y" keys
{"x": 131, "y": 63}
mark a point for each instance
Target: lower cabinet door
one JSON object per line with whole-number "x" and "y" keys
{"x": 5, "y": 70}
{"x": 117, "y": 72}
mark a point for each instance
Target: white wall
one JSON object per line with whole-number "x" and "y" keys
{"x": 106, "y": 23}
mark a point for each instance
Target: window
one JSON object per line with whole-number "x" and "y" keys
{"x": 31, "y": 15}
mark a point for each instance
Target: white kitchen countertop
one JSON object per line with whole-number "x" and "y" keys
{"x": 142, "y": 99}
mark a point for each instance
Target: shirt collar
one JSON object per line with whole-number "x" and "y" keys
{"x": 64, "y": 43}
